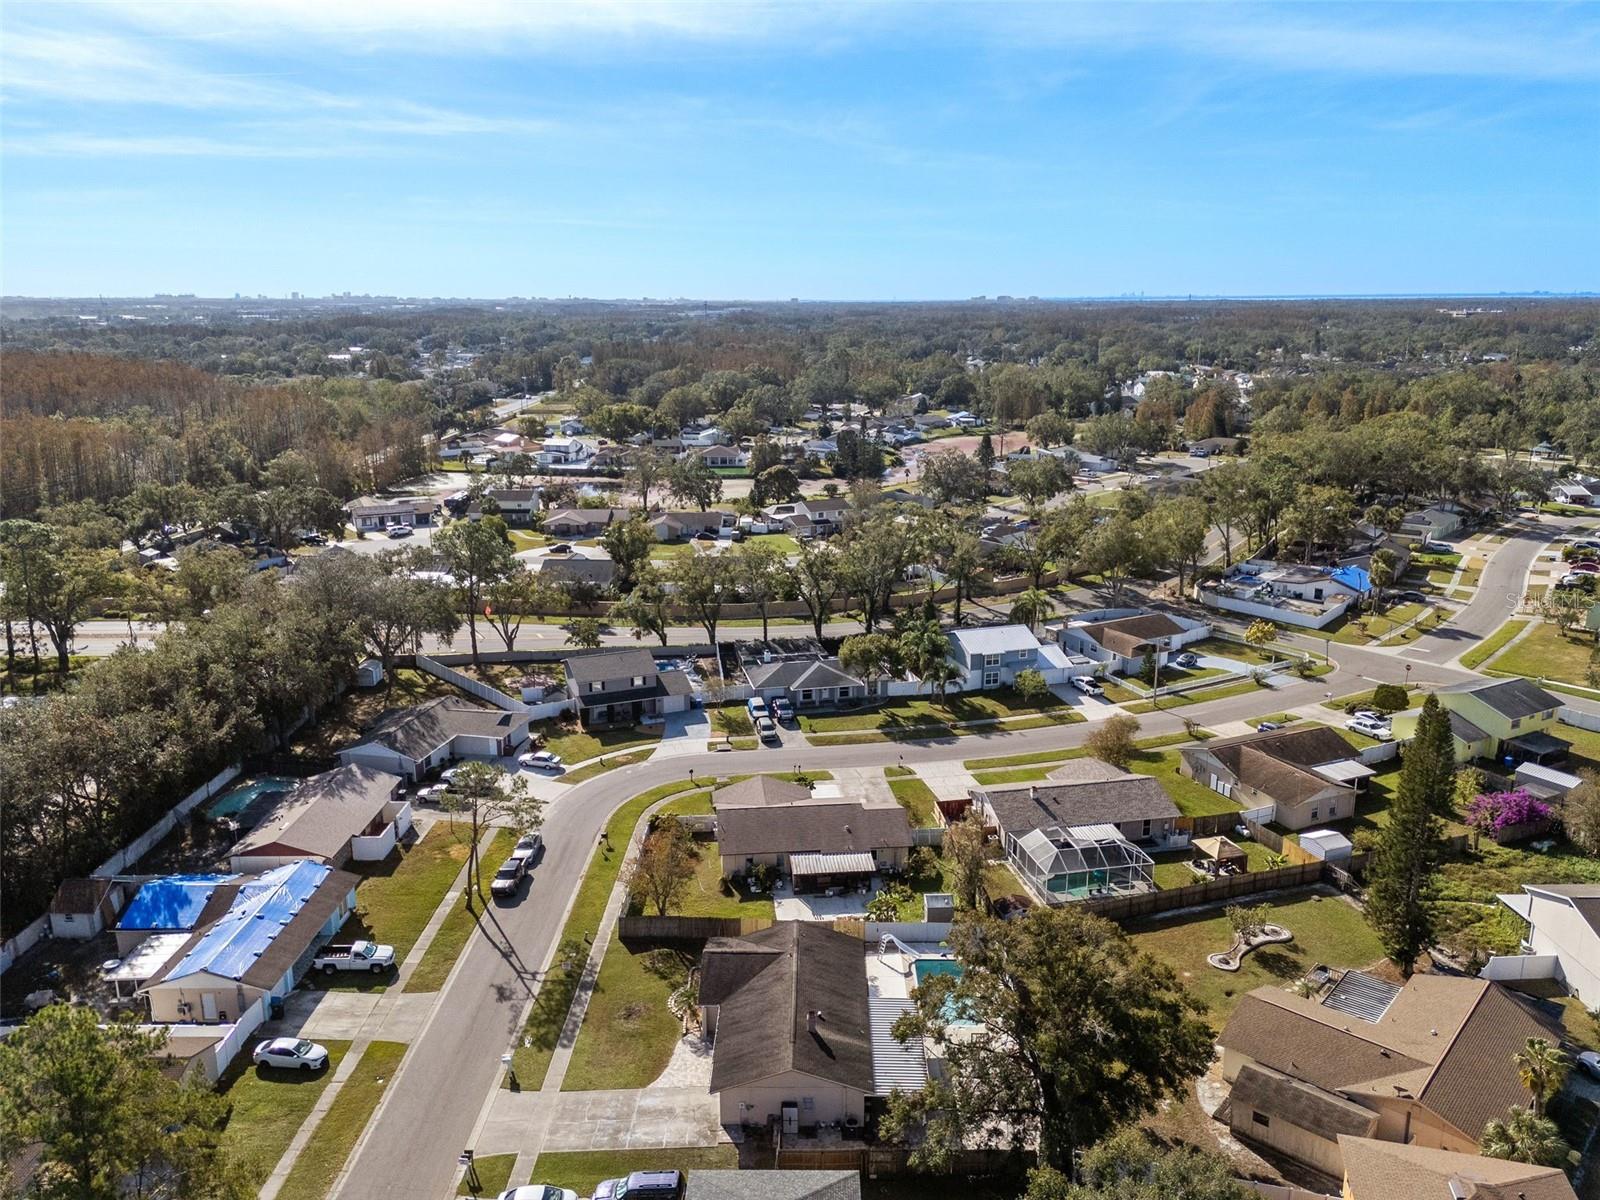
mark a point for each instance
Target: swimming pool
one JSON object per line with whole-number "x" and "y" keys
{"x": 242, "y": 795}
{"x": 926, "y": 968}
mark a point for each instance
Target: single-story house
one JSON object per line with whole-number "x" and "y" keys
{"x": 619, "y": 687}
{"x": 173, "y": 904}
{"x": 81, "y": 908}
{"x": 1309, "y": 773}
{"x": 714, "y": 1184}
{"x": 1516, "y": 718}
{"x": 368, "y": 513}
{"x": 571, "y": 570}
{"x": 676, "y": 526}
{"x": 1083, "y": 829}
{"x": 1572, "y": 493}
{"x": 583, "y": 522}
{"x": 786, "y": 1009}
{"x": 1288, "y": 594}
{"x": 818, "y": 841}
{"x": 1119, "y": 638}
{"x": 807, "y": 683}
{"x": 720, "y": 457}
{"x": 413, "y": 741}
{"x": 1215, "y": 445}
{"x": 258, "y": 945}
{"x": 1427, "y": 1064}
{"x": 350, "y": 812}
{"x": 1375, "y": 1170}
{"x": 1433, "y": 523}
{"x": 1563, "y": 926}
{"x": 709, "y": 436}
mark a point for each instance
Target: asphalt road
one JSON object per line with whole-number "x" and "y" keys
{"x": 1500, "y": 590}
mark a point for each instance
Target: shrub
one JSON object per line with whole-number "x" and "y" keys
{"x": 1390, "y": 697}
{"x": 1494, "y": 812}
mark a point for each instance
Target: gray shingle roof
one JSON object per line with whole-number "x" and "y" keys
{"x": 319, "y": 815}
{"x": 1092, "y": 797}
{"x": 610, "y": 664}
{"x": 418, "y": 731}
{"x": 1511, "y": 698}
{"x": 706, "y": 1184}
{"x": 829, "y": 828}
{"x": 803, "y": 673}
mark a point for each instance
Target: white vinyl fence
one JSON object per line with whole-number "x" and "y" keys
{"x": 26, "y": 939}
{"x": 473, "y": 687}
{"x": 1505, "y": 968}
{"x": 118, "y": 863}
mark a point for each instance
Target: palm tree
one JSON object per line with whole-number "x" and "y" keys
{"x": 1032, "y": 608}
{"x": 1524, "y": 1137}
{"x": 1541, "y": 1066}
{"x": 939, "y": 676}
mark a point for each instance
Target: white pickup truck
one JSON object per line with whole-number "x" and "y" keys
{"x": 358, "y": 956}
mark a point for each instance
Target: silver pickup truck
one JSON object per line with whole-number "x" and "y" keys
{"x": 358, "y": 956}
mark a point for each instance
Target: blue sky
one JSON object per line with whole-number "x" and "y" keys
{"x": 819, "y": 149}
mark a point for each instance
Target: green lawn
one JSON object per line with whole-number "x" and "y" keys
{"x": 1326, "y": 929}
{"x": 709, "y": 895}
{"x": 583, "y": 1170}
{"x": 268, "y": 1106}
{"x": 494, "y": 1174}
{"x": 628, "y": 1032}
{"x": 1118, "y": 692}
{"x": 451, "y": 936}
{"x": 335, "y": 1135}
{"x": 1061, "y": 756}
{"x": 732, "y": 720}
{"x": 1543, "y": 652}
{"x": 575, "y": 745}
{"x": 1238, "y": 651}
{"x": 532, "y": 1058}
{"x": 917, "y": 798}
{"x": 1414, "y": 699}
{"x": 1014, "y": 775}
{"x": 1368, "y": 627}
{"x": 397, "y": 897}
{"x": 606, "y": 764}
{"x": 1203, "y": 696}
{"x": 1172, "y": 871}
{"x": 981, "y": 706}
{"x": 1468, "y": 885}
{"x": 1490, "y": 646}
{"x": 1193, "y": 799}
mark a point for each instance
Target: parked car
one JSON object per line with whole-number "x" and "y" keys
{"x": 1585, "y": 544}
{"x": 642, "y": 1185}
{"x": 1584, "y": 568}
{"x": 783, "y": 711}
{"x": 1370, "y": 726}
{"x": 1087, "y": 685}
{"x": 559, "y": 548}
{"x": 757, "y": 708}
{"x": 1269, "y": 726}
{"x": 358, "y": 956}
{"x": 538, "y": 1191}
{"x": 529, "y": 846}
{"x": 1187, "y": 659}
{"x": 508, "y": 879}
{"x": 399, "y": 531}
{"x": 292, "y": 1054}
{"x": 767, "y": 730}
{"x": 541, "y": 760}
{"x": 432, "y": 794}
{"x": 1589, "y": 1064}
{"x": 1573, "y": 579}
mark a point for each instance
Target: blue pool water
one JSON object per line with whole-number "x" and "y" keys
{"x": 925, "y": 968}
{"x": 242, "y": 795}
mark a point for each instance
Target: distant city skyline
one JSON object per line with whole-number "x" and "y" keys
{"x": 695, "y": 149}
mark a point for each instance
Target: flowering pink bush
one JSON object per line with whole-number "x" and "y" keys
{"x": 1491, "y": 812}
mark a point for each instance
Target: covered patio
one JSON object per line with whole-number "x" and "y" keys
{"x": 1538, "y": 747}
{"x": 832, "y": 874}
{"x": 1219, "y": 856}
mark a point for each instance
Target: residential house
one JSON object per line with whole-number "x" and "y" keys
{"x": 812, "y": 682}
{"x": 81, "y": 908}
{"x": 610, "y": 458}
{"x": 1435, "y": 523}
{"x": 1088, "y": 463}
{"x": 1495, "y": 718}
{"x": 171, "y": 904}
{"x": 1375, "y": 1170}
{"x": 1308, "y": 773}
{"x": 759, "y": 1184}
{"x": 369, "y": 513}
{"x": 1206, "y": 447}
{"x": 709, "y": 436}
{"x": 1119, "y": 638}
{"x": 991, "y": 656}
{"x": 932, "y": 421}
{"x": 517, "y": 507}
{"x": 351, "y": 812}
{"x": 678, "y": 526}
{"x": 571, "y": 571}
{"x": 257, "y": 937}
{"x": 815, "y": 516}
{"x": 1082, "y": 831}
{"x": 786, "y": 1009}
{"x": 413, "y": 741}
{"x": 819, "y": 447}
{"x": 1572, "y": 493}
{"x": 621, "y": 687}
{"x": 1310, "y": 597}
{"x": 1427, "y": 1064}
{"x": 720, "y": 457}
{"x": 558, "y": 451}
{"x": 818, "y": 841}
{"x": 583, "y": 522}
{"x": 1563, "y": 933}
{"x": 571, "y": 427}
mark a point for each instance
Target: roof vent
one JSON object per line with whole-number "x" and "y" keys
{"x": 1033, "y": 791}
{"x": 812, "y": 1018}
{"x": 1460, "y": 1189}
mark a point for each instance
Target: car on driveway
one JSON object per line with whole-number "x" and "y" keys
{"x": 1186, "y": 659}
{"x": 1589, "y": 1064}
{"x": 541, "y": 760}
{"x": 291, "y": 1054}
{"x": 357, "y": 956}
{"x": 432, "y": 794}
{"x": 399, "y": 531}
{"x": 756, "y": 707}
{"x": 783, "y": 711}
{"x": 538, "y": 1191}
{"x": 1369, "y": 726}
{"x": 768, "y": 731}
{"x": 1087, "y": 686}
{"x": 1584, "y": 568}
{"x": 1269, "y": 726}
{"x": 642, "y": 1185}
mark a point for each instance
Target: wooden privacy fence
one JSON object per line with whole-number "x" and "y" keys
{"x": 687, "y": 929}
{"x": 889, "y": 1161}
{"x": 1214, "y": 891}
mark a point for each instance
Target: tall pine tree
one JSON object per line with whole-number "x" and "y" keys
{"x": 1400, "y": 879}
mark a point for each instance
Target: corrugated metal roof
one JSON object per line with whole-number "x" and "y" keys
{"x": 259, "y": 913}
{"x": 896, "y": 1066}
{"x": 831, "y": 864}
{"x": 175, "y": 902}
{"x": 1362, "y": 995}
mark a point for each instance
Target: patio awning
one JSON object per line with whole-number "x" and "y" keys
{"x": 831, "y": 864}
{"x": 1537, "y": 745}
{"x": 1219, "y": 848}
{"x": 1344, "y": 771}
{"x": 1518, "y": 902}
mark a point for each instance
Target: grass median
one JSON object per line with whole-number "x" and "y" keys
{"x": 607, "y": 764}
{"x": 335, "y": 1135}
{"x": 1492, "y": 645}
{"x": 459, "y": 923}
{"x": 494, "y": 1176}
{"x": 917, "y": 798}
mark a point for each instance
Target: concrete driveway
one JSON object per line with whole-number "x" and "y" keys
{"x": 684, "y": 733}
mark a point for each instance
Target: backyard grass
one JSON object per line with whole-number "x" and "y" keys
{"x": 575, "y": 745}
{"x": 397, "y": 897}
{"x": 1543, "y": 652}
{"x": 335, "y": 1135}
{"x": 1326, "y": 929}
{"x": 452, "y": 935}
{"x": 628, "y": 1032}
{"x": 1469, "y": 883}
{"x": 583, "y": 1170}
{"x": 1172, "y": 870}
{"x": 531, "y": 1060}
{"x": 982, "y": 706}
{"x": 709, "y": 895}
{"x": 1491, "y": 645}
{"x": 268, "y": 1106}
{"x": 316, "y": 746}
{"x": 494, "y": 1174}
{"x": 606, "y": 764}
{"x": 917, "y": 798}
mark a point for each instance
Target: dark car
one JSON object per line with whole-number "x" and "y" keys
{"x": 642, "y": 1185}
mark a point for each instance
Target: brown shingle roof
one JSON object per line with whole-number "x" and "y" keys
{"x": 836, "y": 827}
{"x": 81, "y": 895}
{"x": 1277, "y": 1095}
{"x": 1128, "y": 636}
{"x": 763, "y": 1028}
{"x": 1376, "y": 1170}
{"x": 761, "y": 791}
{"x": 1278, "y": 762}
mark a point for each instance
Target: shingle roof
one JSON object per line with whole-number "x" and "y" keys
{"x": 800, "y": 673}
{"x": 321, "y": 814}
{"x": 598, "y": 571}
{"x": 1082, "y": 792}
{"x": 81, "y": 895}
{"x": 1511, "y": 698}
{"x": 1378, "y": 1170}
{"x": 1311, "y": 1108}
{"x": 706, "y": 1184}
{"x": 1279, "y": 762}
{"x": 1128, "y": 636}
{"x": 418, "y": 731}
{"x": 1464, "y": 730}
{"x": 761, "y": 791}
{"x": 610, "y": 664}
{"x": 836, "y": 827}
{"x": 762, "y": 1025}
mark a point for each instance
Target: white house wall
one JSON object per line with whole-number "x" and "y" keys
{"x": 1558, "y": 929}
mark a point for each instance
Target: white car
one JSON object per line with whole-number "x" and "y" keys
{"x": 293, "y": 1054}
{"x": 399, "y": 531}
{"x": 538, "y": 1191}
{"x": 541, "y": 760}
{"x": 1087, "y": 685}
{"x": 1370, "y": 727}
{"x": 433, "y": 793}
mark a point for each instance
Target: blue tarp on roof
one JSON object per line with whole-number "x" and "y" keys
{"x": 259, "y": 913}
{"x": 172, "y": 903}
{"x": 1354, "y": 578}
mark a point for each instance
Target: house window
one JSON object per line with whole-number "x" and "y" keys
{"x": 597, "y": 686}
{"x": 1516, "y": 723}
{"x": 807, "y": 1104}
{"x": 638, "y": 681}
{"x": 1145, "y": 829}
{"x": 1024, "y": 655}
{"x": 1315, "y": 814}
{"x": 991, "y": 660}
{"x": 991, "y": 679}
{"x": 1260, "y": 1119}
